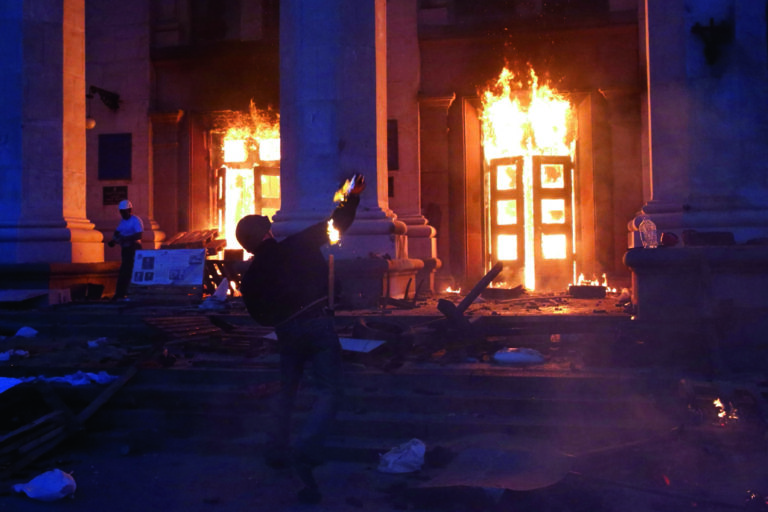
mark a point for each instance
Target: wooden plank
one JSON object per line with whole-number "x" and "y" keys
{"x": 166, "y": 293}
{"x": 5, "y": 441}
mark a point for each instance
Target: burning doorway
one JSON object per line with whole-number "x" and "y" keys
{"x": 247, "y": 159}
{"x": 528, "y": 144}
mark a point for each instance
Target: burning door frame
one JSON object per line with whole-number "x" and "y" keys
{"x": 532, "y": 127}
{"x": 525, "y": 221}
{"x": 247, "y": 144}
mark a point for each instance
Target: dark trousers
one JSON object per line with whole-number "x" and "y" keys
{"x": 301, "y": 342}
{"x": 127, "y": 256}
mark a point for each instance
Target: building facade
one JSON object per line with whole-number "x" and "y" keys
{"x": 660, "y": 121}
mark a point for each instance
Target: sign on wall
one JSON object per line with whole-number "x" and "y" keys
{"x": 113, "y": 195}
{"x": 181, "y": 267}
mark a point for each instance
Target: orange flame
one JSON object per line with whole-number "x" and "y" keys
{"x": 248, "y": 138}
{"x": 581, "y": 281}
{"x": 525, "y": 118}
{"x": 522, "y": 117}
{"x": 259, "y": 130}
{"x": 723, "y": 413}
{"x": 333, "y": 233}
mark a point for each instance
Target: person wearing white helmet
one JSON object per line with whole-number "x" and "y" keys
{"x": 128, "y": 235}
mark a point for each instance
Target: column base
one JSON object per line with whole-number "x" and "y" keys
{"x": 366, "y": 280}
{"x": 61, "y": 279}
{"x": 72, "y": 241}
{"x": 744, "y": 224}
{"x": 705, "y": 301}
{"x": 697, "y": 283}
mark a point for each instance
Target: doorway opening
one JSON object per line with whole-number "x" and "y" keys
{"x": 246, "y": 153}
{"x": 528, "y": 143}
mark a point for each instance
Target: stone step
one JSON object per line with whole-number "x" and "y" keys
{"x": 469, "y": 377}
{"x": 243, "y": 417}
{"x": 361, "y": 400}
{"x": 228, "y": 409}
{"x": 359, "y": 437}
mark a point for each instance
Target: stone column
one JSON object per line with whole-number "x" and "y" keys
{"x": 707, "y": 73}
{"x": 403, "y": 71}
{"x": 165, "y": 164}
{"x": 42, "y": 135}
{"x": 707, "y": 160}
{"x": 435, "y": 176}
{"x": 333, "y": 124}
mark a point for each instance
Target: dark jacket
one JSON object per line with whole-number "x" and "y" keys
{"x": 287, "y": 276}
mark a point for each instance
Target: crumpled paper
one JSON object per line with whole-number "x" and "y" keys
{"x": 49, "y": 486}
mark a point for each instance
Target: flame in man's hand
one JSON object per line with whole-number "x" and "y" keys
{"x": 343, "y": 192}
{"x": 333, "y": 233}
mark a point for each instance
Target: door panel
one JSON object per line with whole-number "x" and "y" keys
{"x": 507, "y": 227}
{"x": 553, "y": 221}
{"x": 530, "y": 220}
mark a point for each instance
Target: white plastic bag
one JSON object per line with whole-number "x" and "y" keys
{"x": 514, "y": 355}
{"x": 26, "y": 332}
{"x": 49, "y": 486}
{"x": 406, "y": 458}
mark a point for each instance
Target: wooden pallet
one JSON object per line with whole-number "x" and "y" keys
{"x": 166, "y": 294}
{"x": 201, "y": 333}
{"x": 36, "y": 420}
{"x": 201, "y": 239}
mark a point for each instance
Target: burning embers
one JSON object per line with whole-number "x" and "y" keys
{"x": 528, "y": 143}
{"x": 725, "y": 413}
{"x": 586, "y": 289}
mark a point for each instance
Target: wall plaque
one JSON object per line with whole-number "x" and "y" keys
{"x": 113, "y": 195}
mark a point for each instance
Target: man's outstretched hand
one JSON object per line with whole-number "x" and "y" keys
{"x": 358, "y": 184}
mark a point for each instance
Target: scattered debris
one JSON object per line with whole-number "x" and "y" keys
{"x": 587, "y": 291}
{"x": 13, "y": 354}
{"x": 624, "y": 297}
{"x": 498, "y": 461}
{"x": 79, "y": 378}
{"x": 502, "y": 293}
{"x": 455, "y": 313}
{"x": 7, "y": 383}
{"x": 360, "y": 345}
{"x": 218, "y": 299}
{"x": 406, "y": 458}
{"x": 97, "y": 342}
{"x": 45, "y": 430}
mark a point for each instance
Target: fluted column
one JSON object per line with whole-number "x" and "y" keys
{"x": 333, "y": 111}
{"x": 403, "y": 88}
{"x": 42, "y": 135}
{"x": 707, "y": 81}
{"x": 707, "y": 163}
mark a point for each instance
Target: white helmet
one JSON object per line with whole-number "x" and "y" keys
{"x": 125, "y": 205}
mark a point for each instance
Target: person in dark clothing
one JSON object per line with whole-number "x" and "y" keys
{"x": 128, "y": 234}
{"x": 286, "y": 286}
